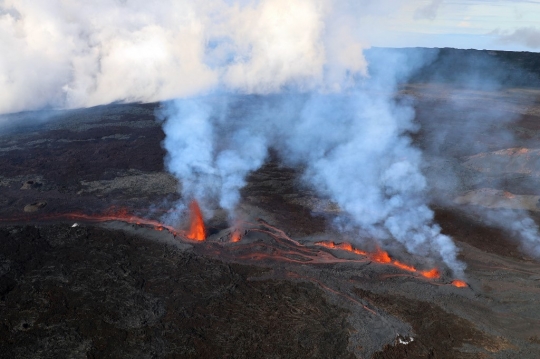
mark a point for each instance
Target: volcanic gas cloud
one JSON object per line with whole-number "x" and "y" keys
{"x": 244, "y": 77}
{"x": 297, "y": 85}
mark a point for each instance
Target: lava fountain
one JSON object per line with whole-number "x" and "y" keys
{"x": 197, "y": 231}
{"x": 381, "y": 256}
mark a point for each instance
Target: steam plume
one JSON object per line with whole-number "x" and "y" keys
{"x": 353, "y": 144}
{"x": 518, "y": 224}
{"x": 246, "y": 76}
{"x": 209, "y": 152}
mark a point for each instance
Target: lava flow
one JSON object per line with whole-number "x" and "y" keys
{"x": 343, "y": 246}
{"x": 197, "y": 231}
{"x": 286, "y": 249}
{"x": 459, "y": 283}
{"x": 381, "y": 256}
{"x": 112, "y": 215}
{"x": 431, "y": 274}
{"x": 404, "y": 266}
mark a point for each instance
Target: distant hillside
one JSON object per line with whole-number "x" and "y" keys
{"x": 471, "y": 68}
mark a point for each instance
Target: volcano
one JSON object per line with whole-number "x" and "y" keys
{"x": 97, "y": 273}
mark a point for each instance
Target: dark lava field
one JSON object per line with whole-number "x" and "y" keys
{"x": 95, "y": 287}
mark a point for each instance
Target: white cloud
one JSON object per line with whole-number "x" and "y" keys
{"x": 528, "y": 36}
{"x": 67, "y": 54}
{"x": 428, "y": 11}
{"x": 72, "y": 54}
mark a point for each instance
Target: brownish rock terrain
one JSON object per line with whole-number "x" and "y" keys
{"x": 79, "y": 288}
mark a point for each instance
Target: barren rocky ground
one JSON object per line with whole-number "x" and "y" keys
{"x": 110, "y": 290}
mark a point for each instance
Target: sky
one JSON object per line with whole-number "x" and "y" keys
{"x": 512, "y": 25}
{"x": 69, "y": 53}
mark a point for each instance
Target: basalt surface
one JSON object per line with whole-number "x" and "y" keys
{"x": 75, "y": 288}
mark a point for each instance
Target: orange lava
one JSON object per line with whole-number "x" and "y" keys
{"x": 330, "y": 245}
{"x": 381, "y": 256}
{"x": 431, "y": 274}
{"x": 235, "y": 236}
{"x": 404, "y": 266}
{"x": 459, "y": 283}
{"x": 117, "y": 215}
{"x": 197, "y": 231}
{"x": 358, "y": 251}
{"x": 343, "y": 246}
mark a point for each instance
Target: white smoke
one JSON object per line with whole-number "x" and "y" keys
{"x": 353, "y": 145}
{"x": 70, "y": 54}
{"x": 208, "y": 152}
{"x": 356, "y": 152}
{"x": 520, "y": 225}
{"x": 319, "y": 104}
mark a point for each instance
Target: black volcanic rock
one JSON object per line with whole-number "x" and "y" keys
{"x": 465, "y": 67}
{"x": 73, "y": 292}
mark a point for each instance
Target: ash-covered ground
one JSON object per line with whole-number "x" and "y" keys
{"x": 117, "y": 290}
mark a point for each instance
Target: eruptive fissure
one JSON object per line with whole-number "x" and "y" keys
{"x": 381, "y": 256}
{"x": 285, "y": 248}
{"x": 196, "y": 231}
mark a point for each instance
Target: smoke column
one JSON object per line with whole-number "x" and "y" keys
{"x": 208, "y": 152}
{"x": 241, "y": 77}
{"x": 345, "y": 128}
{"x": 463, "y": 129}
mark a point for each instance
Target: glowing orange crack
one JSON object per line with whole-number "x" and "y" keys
{"x": 404, "y": 266}
{"x": 381, "y": 256}
{"x": 197, "y": 230}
